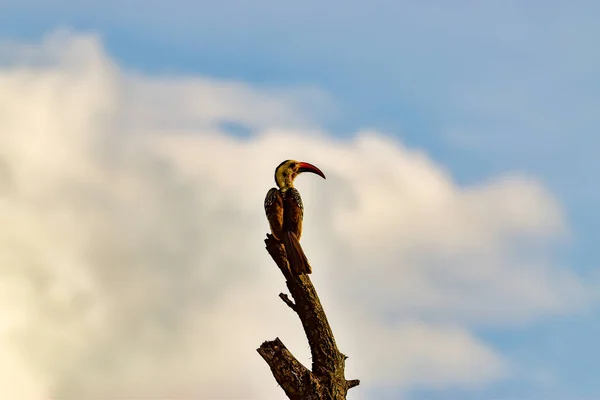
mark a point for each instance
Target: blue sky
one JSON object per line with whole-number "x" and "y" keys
{"x": 484, "y": 88}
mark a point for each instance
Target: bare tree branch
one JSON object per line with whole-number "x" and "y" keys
{"x": 326, "y": 380}
{"x": 289, "y": 373}
{"x": 287, "y": 301}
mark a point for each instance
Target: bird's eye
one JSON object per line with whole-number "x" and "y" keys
{"x": 293, "y": 165}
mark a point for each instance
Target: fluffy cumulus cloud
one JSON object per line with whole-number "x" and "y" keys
{"x": 131, "y": 228}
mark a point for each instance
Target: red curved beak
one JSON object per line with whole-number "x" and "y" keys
{"x": 306, "y": 167}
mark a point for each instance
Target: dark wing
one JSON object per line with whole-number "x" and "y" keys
{"x": 294, "y": 212}
{"x": 274, "y": 210}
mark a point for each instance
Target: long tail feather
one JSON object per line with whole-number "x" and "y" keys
{"x": 298, "y": 261}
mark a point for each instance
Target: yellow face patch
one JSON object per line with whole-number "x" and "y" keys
{"x": 285, "y": 173}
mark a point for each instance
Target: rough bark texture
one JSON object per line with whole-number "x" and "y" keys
{"x": 326, "y": 380}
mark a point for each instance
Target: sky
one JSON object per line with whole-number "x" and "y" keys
{"x": 453, "y": 243}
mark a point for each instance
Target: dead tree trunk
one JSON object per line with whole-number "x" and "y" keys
{"x": 326, "y": 380}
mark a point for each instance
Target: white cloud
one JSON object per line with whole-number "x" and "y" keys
{"x": 134, "y": 255}
{"x": 194, "y": 102}
{"x": 404, "y": 355}
{"x": 398, "y": 223}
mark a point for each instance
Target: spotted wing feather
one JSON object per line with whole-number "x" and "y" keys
{"x": 274, "y": 208}
{"x": 294, "y": 212}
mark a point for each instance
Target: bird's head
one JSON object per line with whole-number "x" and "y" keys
{"x": 286, "y": 172}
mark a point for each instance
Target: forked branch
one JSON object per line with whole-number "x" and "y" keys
{"x": 325, "y": 380}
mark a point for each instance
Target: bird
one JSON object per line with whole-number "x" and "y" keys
{"x": 284, "y": 210}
